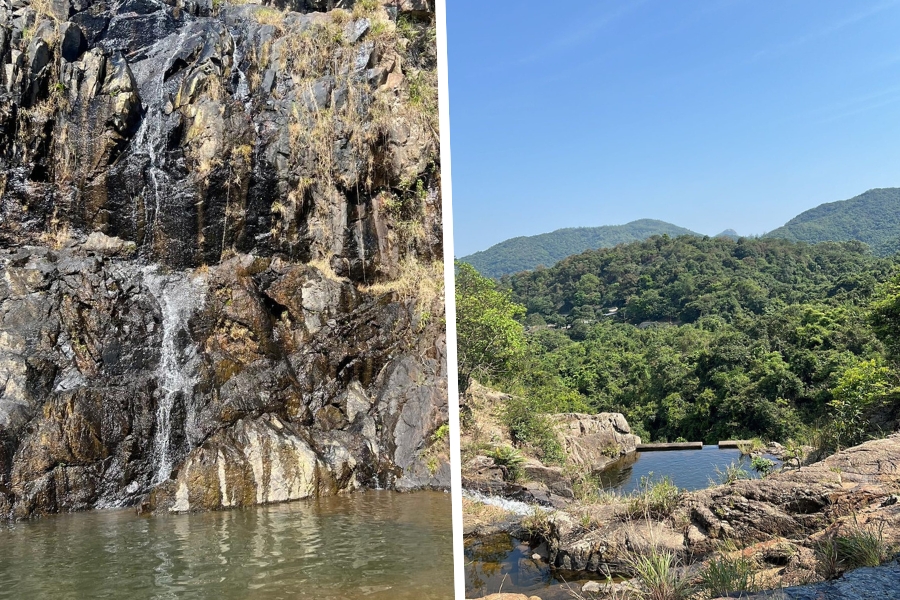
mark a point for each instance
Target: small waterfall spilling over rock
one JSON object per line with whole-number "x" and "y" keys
{"x": 513, "y": 506}
{"x": 179, "y": 297}
{"x": 150, "y": 141}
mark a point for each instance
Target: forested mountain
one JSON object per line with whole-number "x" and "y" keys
{"x": 527, "y": 252}
{"x": 872, "y": 217}
{"x": 706, "y": 338}
{"x": 682, "y": 279}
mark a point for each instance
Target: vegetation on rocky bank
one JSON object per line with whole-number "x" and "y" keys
{"x": 689, "y": 339}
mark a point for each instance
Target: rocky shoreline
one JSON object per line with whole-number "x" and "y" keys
{"x": 777, "y": 524}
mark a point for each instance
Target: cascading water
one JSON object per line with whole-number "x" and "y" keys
{"x": 179, "y": 297}
{"x": 513, "y": 506}
{"x": 149, "y": 141}
{"x": 242, "y": 87}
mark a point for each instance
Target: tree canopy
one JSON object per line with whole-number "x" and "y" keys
{"x": 707, "y": 339}
{"x": 489, "y": 338}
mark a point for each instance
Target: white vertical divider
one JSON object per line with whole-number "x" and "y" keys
{"x": 450, "y": 296}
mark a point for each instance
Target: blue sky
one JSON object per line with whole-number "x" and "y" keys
{"x": 710, "y": 115}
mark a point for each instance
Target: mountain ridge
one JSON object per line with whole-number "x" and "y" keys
{"x": 872, "y": 217}
{"x": 523, "y": 253}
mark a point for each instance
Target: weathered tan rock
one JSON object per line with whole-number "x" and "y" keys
{"x": 592, "y": 442}
{"x": 106, "y": 245}
{"x": 608, "y": 548}
{"x": 779, "y": 518}
{"x": 254, "y": 462}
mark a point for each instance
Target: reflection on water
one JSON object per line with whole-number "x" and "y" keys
{"x": 376, "y": 545}
{"x": 501, "y": 562}
{"x": 688, "y": 469}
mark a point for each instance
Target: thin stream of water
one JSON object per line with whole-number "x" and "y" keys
{"x": 179, "y": 297}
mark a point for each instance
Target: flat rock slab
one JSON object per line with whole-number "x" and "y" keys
{"x": 867, "y": 583}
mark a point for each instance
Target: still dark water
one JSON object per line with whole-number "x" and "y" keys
{"x": 689, "y": 469}
{"x": 501, "y": 562}
{"x": 375, "y": 545}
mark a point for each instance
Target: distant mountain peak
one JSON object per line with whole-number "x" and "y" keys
{"x": 525, "y": 253}
{"x": 729, "y": 233}
{"x": 873, "y": 218}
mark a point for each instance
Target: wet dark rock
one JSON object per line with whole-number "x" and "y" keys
{"x": 198, "y": 256}
{"x": 193, "y": 132}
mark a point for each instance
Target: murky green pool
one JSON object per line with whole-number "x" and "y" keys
{"x": 376, "y": 545}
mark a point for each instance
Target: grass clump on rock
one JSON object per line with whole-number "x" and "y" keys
{"x": 654, "y": 499}
{"x": 858, "y": 546}
{"x": 724, "y": 576}
{"x": 731, "y": 473}
{"x": 660, "y": 576}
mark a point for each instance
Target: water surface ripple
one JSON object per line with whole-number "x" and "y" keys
{"x": 377, "y": 545}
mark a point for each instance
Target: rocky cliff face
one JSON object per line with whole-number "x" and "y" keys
{"x": 220, "y": 235}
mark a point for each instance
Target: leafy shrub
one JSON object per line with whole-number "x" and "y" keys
{"x": 762, "y": 465}
{"x": 441, "y": 433}
{"x": 528, "y": 425}
{"x": 511, "y": 459}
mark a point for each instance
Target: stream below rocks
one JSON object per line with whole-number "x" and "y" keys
{"x": 375, "y": 544}
{"x": 502, "y": 562}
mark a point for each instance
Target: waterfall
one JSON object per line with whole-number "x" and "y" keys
{"x": 179, "y": 297}
{"x": 513, "y": 506}
{"x": 149, "y": 141}
{"x": 242, "y": 88}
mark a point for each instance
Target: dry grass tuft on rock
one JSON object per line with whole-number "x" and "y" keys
{"x": 655, "y": 499}
{"x": 853, "y": 547}
{"x": 660, "y": 575}
{"x": 728, "y": 574}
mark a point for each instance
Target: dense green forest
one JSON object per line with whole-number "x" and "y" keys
{"x": 524, "y": 253}
{"x": 700, "y": 338}
{"x": 872, "y": 217}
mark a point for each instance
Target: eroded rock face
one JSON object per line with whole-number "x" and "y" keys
{"x": 257, "y": 380}
{"x": 192, "y": 131}
{"x": 207, "y": 212}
